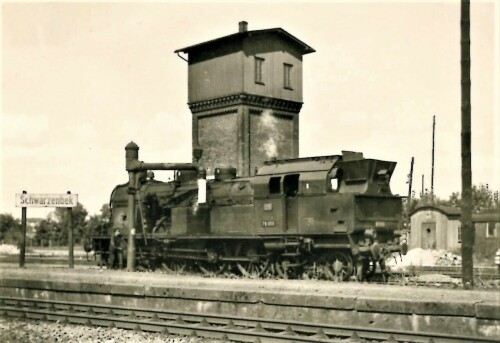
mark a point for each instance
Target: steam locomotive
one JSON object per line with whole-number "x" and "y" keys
{"x": 328, "y": 217}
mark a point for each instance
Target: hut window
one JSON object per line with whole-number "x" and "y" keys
{"x": 287, "y": 80}
{"x": 274, "y": 185}
{"x": 259, "y": 63}
{"x": 491, "y": 230}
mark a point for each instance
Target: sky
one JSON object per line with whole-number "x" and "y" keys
{"x": 81, "y": 80}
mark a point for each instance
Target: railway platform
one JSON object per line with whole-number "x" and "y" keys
{"x": 380, "y": 307}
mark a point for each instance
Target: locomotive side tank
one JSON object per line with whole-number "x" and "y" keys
{"x": 327, "y": 217}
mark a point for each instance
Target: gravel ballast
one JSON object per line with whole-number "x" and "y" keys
{"x": 14, "y": 330}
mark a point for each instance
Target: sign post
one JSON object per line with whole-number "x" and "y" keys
{"x": 25, "y": 200}
{"x": 71, "y": 240}
{"x": 22, "y": 250}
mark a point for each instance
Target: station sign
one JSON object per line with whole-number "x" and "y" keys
{"x": 46, "y": 200}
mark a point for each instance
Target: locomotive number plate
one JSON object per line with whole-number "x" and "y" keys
{"x": 268, "y": 223}
{"x": 379, "y": 224}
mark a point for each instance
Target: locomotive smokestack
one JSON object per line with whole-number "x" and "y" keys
{"x": 242, "y": 26}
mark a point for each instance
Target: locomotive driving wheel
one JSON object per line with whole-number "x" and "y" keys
{"x": 253, "y": 269}
{"x": 338, "y": 266}
{"x": 212, "y": 269}
{"x": 314, "y": 268}
{"x": 174, "y": 266}
{"x": 212, "y": 266}
{"x": 287, "y": 267}
{"x": 255, "y": 266}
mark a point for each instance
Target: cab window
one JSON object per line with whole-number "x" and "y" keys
{"x": 334, "y": 178}
{"x": 291, "y": 185}
{"x": 274, "y": 185}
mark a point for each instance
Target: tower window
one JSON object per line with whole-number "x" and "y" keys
{"x": 259, "y": 62}
{"x": 287, "y": 81}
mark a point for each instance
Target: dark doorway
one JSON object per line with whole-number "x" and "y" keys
{"x": 291, "y": 190}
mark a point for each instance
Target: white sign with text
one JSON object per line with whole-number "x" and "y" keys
{"x": 46, "y": 200}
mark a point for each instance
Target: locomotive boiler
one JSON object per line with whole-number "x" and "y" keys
{"x": 328, "y": 217}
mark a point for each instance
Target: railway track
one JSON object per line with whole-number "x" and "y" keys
{"x": 233, "y": 328}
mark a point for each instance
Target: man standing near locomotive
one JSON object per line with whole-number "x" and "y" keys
{"x": 116, "y": 245}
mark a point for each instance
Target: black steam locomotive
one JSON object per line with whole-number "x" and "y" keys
{"x": 329, "y": 217}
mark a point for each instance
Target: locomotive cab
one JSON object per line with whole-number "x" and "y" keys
{"x": 340, "y": 205}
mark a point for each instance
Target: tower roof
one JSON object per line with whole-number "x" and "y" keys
{"x": 304, "y": 48}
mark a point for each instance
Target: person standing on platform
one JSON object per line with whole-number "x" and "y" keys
{"x": 116, "y": 247}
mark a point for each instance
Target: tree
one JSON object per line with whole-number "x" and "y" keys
{"x": 79, "y": 214}
{"x": 425, "y": 199}
{"x": 99, "y": 222}
{"x": 46, "y": 232}
{"x": 483, "y": 198}
{"x": 105, "y": 213}
{"x": 99, "y": 219}
{"x": 10, "y": 229}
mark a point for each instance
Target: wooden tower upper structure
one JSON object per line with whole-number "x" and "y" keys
{"x": 245, "y": 95}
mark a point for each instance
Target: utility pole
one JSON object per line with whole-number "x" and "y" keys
{"x": 410, "y": 181}
{"x": 433, "y": 140}
{"x": 467, "y": 228}
{"x": 422, "y": 191}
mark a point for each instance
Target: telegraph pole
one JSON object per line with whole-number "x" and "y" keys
{"x": 410, "y": 181}
{"x": 422, "y": 191}
{"x": 467, "y": 228}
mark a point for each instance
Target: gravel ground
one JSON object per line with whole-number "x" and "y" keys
{"x": 13, "y": 330}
